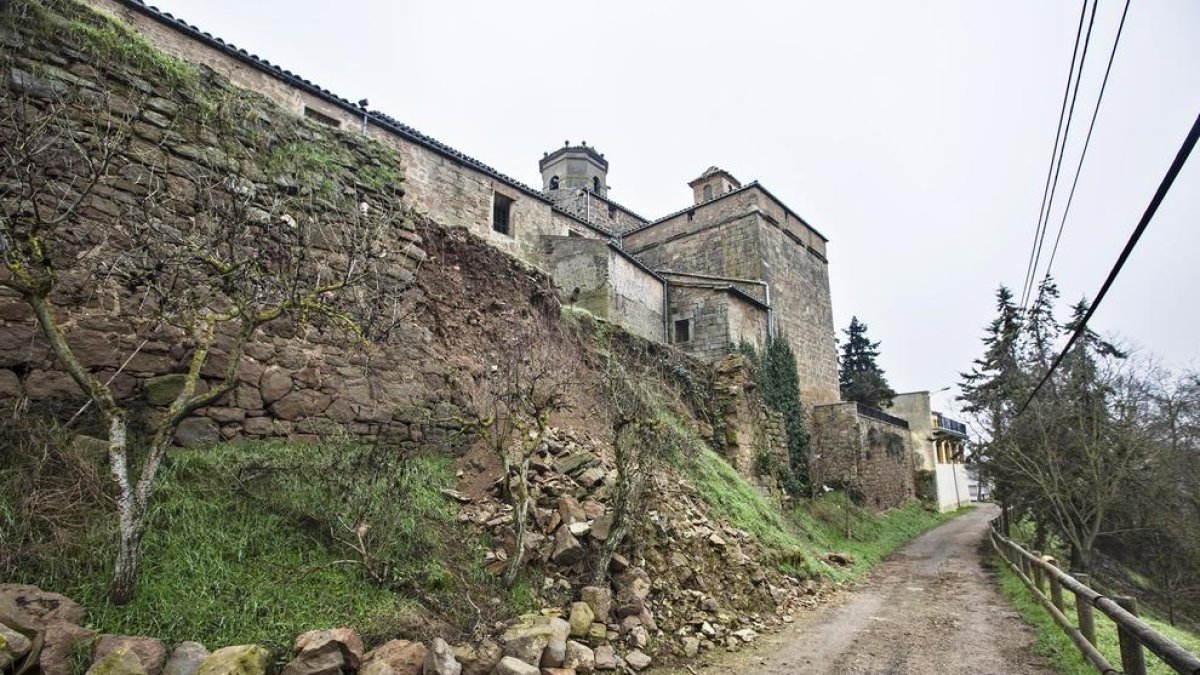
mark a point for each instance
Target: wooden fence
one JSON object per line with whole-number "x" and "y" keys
{"x": 1039, "y": 571}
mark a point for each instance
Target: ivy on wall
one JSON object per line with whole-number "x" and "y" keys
{"x": 779, "y": 385}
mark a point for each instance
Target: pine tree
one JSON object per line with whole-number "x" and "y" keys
{"x": 860, "y": 377}
{"x": 995, "y": 381}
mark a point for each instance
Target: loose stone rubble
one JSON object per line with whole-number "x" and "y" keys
{"x": 681, "y": 584}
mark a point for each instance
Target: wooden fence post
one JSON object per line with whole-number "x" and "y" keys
{"x": 1133, "y": 659}
{"x": 1056, "y": 595}
{"x": 1039, "y": 575}
{"x": 1083, "y": 611}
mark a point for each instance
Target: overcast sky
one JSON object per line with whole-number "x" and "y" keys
{"x": 915, "y": 136}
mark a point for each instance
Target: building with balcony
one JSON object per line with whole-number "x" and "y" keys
{"x": 939, "y": 447}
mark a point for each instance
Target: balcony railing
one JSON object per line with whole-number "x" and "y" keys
{"x": 877, "y": 414}
{"x": 944, "y": 423}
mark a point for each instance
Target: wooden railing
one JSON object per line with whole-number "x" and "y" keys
{"x": 1039, "y": 571}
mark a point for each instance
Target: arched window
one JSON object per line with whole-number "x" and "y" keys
{"x": 707, "y": 192}
{"x": 554, "y": 182}
{"x": 596, "y": 184}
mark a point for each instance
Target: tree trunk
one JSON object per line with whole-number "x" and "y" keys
{"x": 615, "y": 536}
{"x": 626, "y": 492}
{"x": 1081, "y": 559}
{"x": 1040, "y": 532}
{"x": 520, "y": 517}
{"x": 129, "y": 557}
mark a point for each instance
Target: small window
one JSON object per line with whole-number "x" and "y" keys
{"x": 596, "y": 184}
{"x": 502, "y": 213}
{"x": 612, "y": 211}
{"x": 321, "y": 117}
{"x": 554, "y": 182}
{"x": 707, "y": 192}
{"x": 683, "y": 331}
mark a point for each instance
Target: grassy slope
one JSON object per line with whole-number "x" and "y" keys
{"x": 1055, "y": 645}
{"x": 801, "y": 537}
{"x": 223, "y": 568}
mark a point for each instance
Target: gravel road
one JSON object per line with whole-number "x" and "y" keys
{"x": 931, "y": 608}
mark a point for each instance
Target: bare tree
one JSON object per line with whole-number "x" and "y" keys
{"x": 514, "y": 401}
{"x": 1079, "y": 452}
{"x": 205, "y": 253}
{"x": 638, "y": 439}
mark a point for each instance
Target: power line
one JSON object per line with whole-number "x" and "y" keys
{"x": 1054, "y": 153}
{"x": 1163, "y": 187}
{"x": 1048, "y": 204}
{"x": 1095, "y": 112}
{"x": 1062, "y": 153}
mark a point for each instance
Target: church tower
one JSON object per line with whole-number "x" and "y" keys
{"x": 572, "y": 167}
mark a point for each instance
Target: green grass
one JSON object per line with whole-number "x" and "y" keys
{"x": 799, "y": 539}
{"x": 102, "y": 38}
{"x": 1063, "y": 655}
{"x": 222, "y": 565}
{"x": 732, "y": 499}
{"x": 872, "y": 536}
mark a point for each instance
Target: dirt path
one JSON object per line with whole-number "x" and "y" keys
{"x": 931, "y": 608}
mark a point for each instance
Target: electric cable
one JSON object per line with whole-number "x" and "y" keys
{"x": 1087, "y": 141}
{"x": 1176, "y": 166}
{"x": 1087, "y": 41}
{"x": 1050, "y": 170}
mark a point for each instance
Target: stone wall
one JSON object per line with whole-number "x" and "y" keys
{"x": 748, "y": 234}
{"x": 751, "y": 430}
{"x": 718, "y": 320}
{"x": 600, "y": 278}
{"x": 580, "y": 270}
{"x": 711, "y": 243}
{"x": 803, "y": 308}
{"x": 637, "y": 297}
{"x": 870, "y": 458}
{"x": 441, "y": 182}
{"x": 600, "y": 211}
{"x": 296, "y": 380}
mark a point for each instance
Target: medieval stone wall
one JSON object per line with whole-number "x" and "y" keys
{"x": 755, "y": 436}
{"x": 296, "y": 380}
{"x": 712, "y": 243}
{"x": 444, "y": 187}
{"x": 802, "y": 302}
{"x": 718, "y": 320}
{"x": 591, "y": 274}
{"x": 637, "y": 297}
{"x": 744, "y": 235}
{"x": 870, "y": 458}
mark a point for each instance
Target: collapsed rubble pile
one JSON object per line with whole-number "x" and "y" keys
{"x": 680, "y": 584}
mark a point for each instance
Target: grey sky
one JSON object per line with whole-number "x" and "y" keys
{"x": 915, "y": 136}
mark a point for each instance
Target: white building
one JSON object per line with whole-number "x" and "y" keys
{"x": 939, "y": 445}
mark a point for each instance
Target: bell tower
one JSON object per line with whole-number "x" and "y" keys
{"x": 572, "y": 167}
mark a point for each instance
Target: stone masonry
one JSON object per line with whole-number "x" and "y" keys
{"x": 863, "y": 452}
{"x": 742, "y": 231}
{"x": 747, "y": 234}
{"x": 741, "y": 234}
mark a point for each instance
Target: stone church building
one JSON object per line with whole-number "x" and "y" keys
{"x": 736, "y": 265}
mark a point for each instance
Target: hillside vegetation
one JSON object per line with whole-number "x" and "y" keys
{"x": 227, "y": 564}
